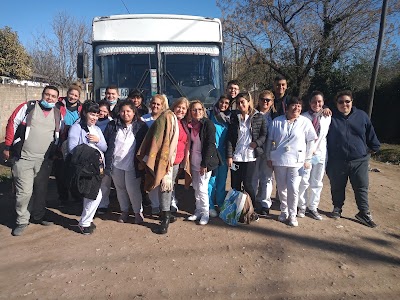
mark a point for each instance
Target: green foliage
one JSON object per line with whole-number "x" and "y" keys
{"x": 14, "y": 60}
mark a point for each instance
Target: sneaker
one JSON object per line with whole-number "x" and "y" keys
{"x": 314, "y": 214}
{"x": 366, "y": 219}
{"x": 85, "y": 230}
{"x": 336, "y": 213}
{"x": 263, "y": 211}
{"x": 293, "y": 221}
{"x": 19, "y": 229}
{"x": 102, "y": 211}
{"x": 301, "y": 213}
{"x": 93, "y": 226}
{"x": 282, "y": 217}
{"x": 42, "y": 222}
{"x": 139, "y": 218}
{"x": 123, "y": 217}
{"x": 204, "y": 220}
{"x": 193, "y": 217}
{"x": 213, "y": 213}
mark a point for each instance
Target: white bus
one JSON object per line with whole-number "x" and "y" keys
{"x": 174, "y": 55}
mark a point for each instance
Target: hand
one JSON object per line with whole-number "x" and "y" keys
{"x": 307, "y": 165}
{"x": 326, "y": 112}
{"x": 253, "y": 145}
{"x": 203, "y": 170}
{"x": 6, "y": 155}
{"x": 93, "y": 138}
{"x": 229, "y": 162}
{"x": 269, "y": 163}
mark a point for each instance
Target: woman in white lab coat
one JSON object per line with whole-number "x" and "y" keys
{"x": 289, "y": 151}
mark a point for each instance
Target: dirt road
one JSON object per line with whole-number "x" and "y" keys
{"x": 325, "y": 259}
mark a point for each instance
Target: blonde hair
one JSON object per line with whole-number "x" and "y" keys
{"x": 164, "y": 100}
{"x": 249, "y": 99}
{"x": 179, "y": 101}
{"x": 75, "y": 87}
{"x": 270, "y": 94}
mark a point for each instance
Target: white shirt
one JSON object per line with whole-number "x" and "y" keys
{"x": 320, "y": 146}
{"x": 289, "y": 140}
{"x": 124, "y": 152}
{"x": 195, "y": 154}
{"x": 243, "y": 151}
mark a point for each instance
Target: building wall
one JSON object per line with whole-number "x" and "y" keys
{"x": 13, "y": 95}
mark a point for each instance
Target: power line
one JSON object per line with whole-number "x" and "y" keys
{"x": 125, "y": 6}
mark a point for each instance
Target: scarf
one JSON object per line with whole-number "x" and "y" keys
{"x": 316, "y": 119}
{"x": 222, "y": 117}
{"x": 195, "y": 126}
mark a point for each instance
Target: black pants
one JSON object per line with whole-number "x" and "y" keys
{"x": 244, "y": 176}
{"x": 355, "y": 170}
{"x": 61, "y": 180}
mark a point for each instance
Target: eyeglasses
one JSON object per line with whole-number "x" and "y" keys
{"x": 265, "y": 99}
{"x": 196, "y": 109}
{"x": 344, "y": 101}
{"x": 50, "y": 95}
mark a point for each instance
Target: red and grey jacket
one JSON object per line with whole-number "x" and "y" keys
{"x": 18, "y": 127}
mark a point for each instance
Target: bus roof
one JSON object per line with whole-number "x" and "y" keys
{"x": 156, "y": 28}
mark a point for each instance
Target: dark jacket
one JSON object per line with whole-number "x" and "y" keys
{"x": 139, "y": 129}
{"x": 258, "y": 133}
{"x": 280, "y": 105}
{"x": 84, "y": 171}
{"x": 350, "y": 136}
{"x": 210, "y": 157}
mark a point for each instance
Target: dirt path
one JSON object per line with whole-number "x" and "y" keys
{"x": 267, "y": 260}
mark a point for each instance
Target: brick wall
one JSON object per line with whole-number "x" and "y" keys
{"x": 13, "y": 95}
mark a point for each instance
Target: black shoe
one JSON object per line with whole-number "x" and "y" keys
{"x": 42, "y": 222}
{"x": 102, "y": 211}
{"x": 172, "y": 218}
{"x": 86, "y": 230}
{"x": 366, "y": 219}
{"x": 165, "y": 220}
{"x": 336, "y": 213}
{"x": 93, "y": 226}
{"x": 19, "y": 229}
{"x": 263, "y": 211}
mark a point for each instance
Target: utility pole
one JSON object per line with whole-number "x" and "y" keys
{"x": 377, "y": 58}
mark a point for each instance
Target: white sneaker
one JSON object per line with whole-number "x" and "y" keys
{"x": 193, "y": 217}
{"x": 301, "y": 213}
{"x": 282, "y": 217}
{"x": 293, "y": 221}
{"x": 204, "y": 220}
{"x": 213, "y": 213}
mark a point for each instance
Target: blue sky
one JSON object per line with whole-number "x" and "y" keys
{"x": 29, "y": 18}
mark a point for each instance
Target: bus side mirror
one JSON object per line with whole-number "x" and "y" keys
{"x": 82, "y": 65}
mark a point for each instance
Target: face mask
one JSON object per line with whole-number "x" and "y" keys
{"x": 112, "y": 102}
{"x": 46, "y": 104}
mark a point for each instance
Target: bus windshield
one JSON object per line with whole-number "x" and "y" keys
{"x": 182, "y": 72}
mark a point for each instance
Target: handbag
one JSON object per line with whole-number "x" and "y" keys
{"x": 232, "y": 207}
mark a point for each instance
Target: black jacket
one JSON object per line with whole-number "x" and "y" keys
{"x": 258, "y": 133}
{"x": 139, "y": 129}
{"x": 83, "y": 171}
{"x": 210, "y": 157}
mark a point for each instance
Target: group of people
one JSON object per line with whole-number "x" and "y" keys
{"x": 142, "y": 150}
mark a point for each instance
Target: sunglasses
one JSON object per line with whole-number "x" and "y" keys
{"x": 265, "y": 99}
{"x": 344, "y": 101}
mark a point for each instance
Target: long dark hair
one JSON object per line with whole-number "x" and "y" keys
{"x": 132, "y": 106}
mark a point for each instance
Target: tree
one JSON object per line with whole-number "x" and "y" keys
{"x": 302, "y": 40}
{"x": 14, "y": 60}
{"x": 58, "y": 62}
